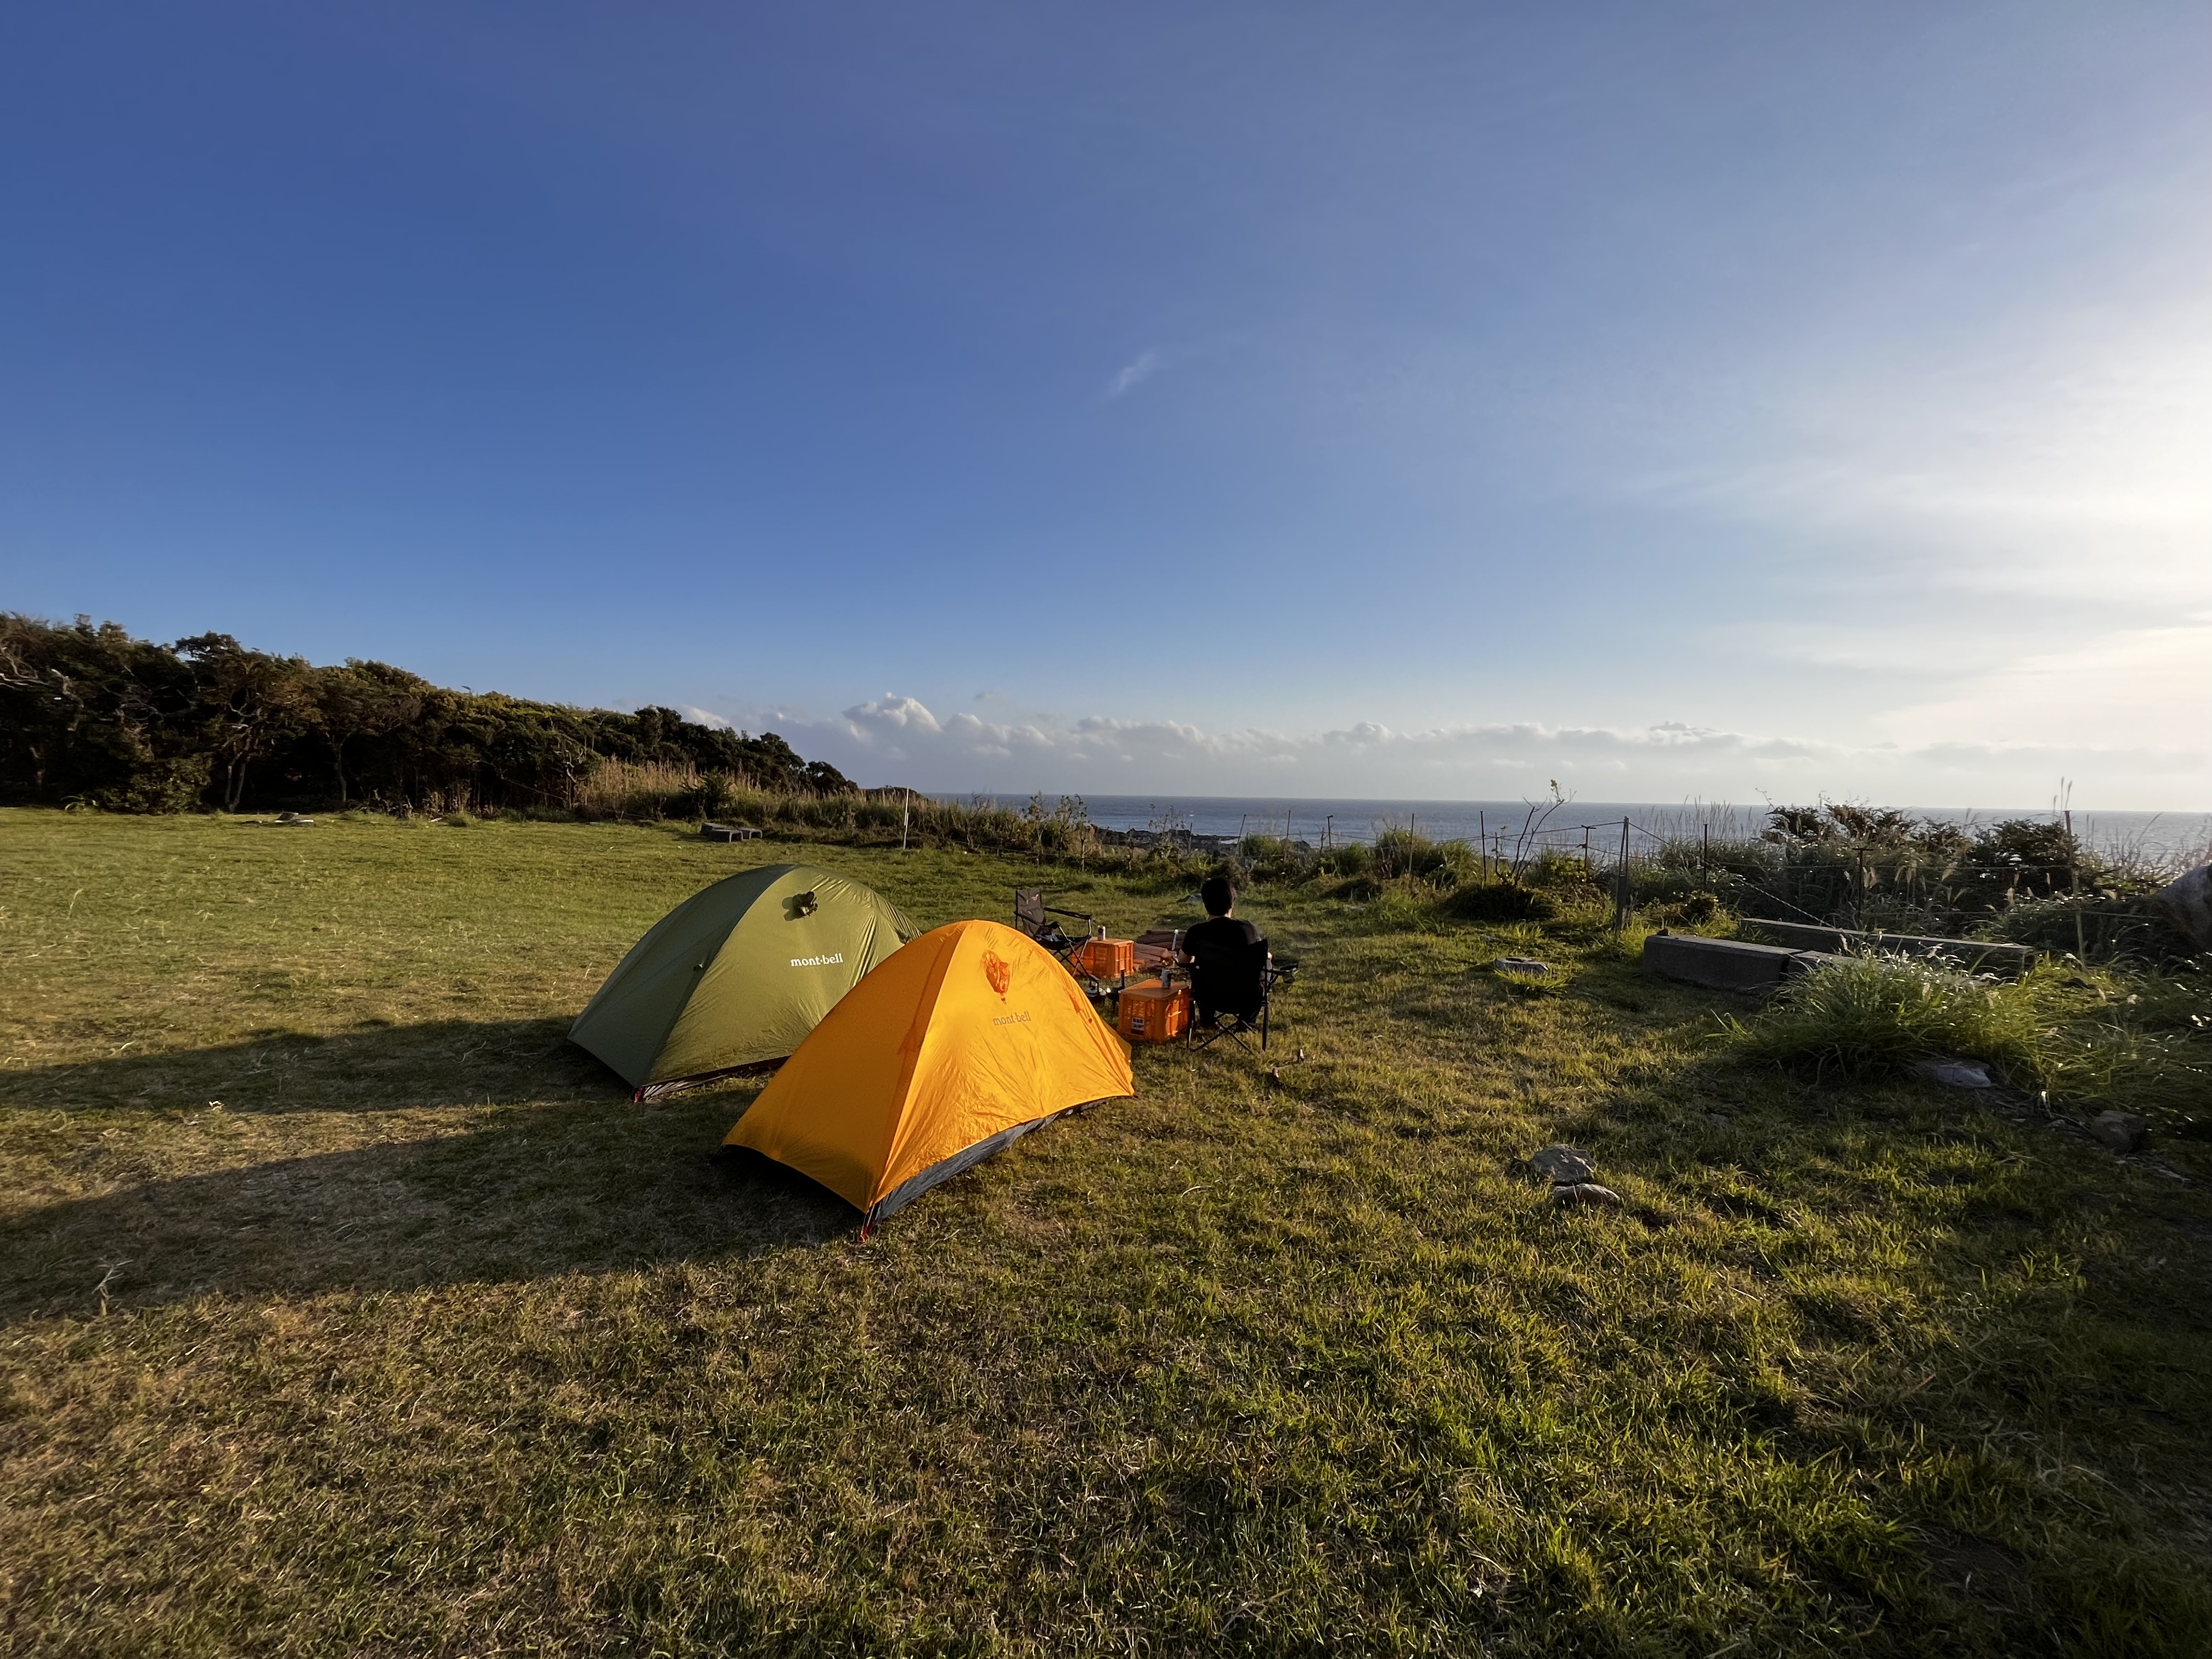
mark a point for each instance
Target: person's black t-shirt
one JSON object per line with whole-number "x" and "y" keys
{"x": 1220, "y": 933}
{"x": 1221, "y": 946}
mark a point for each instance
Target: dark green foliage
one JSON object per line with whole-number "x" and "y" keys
{"x": 1272, "y": 859}
{"x": 1498, "y": 901}
{"x": 1696, "y": 909}
{"x": 1858, "y": 866}
{"x": 2096, "y": 926}
{"x": 1349, "y": 858}
{"x": 1440, "y": 863}
{"x": 2020, "y": 858}
{"x": 90, "y": 716}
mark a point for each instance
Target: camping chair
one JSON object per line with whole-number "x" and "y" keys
{"x": 1232, "y": 993}
{"x": 1034, "y": 917}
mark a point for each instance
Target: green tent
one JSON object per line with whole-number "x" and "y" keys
{"x": 737, "y": 974}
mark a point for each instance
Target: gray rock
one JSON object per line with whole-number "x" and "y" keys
{"x": 1563, "y": 1164}
{"x": 2187, "y": 904}
{"x": 1956, "y": 1073}
{"x": 2124, "y": 1132}
{"x": 1719, "y": 1120}
{"x": 1586, "y": 1194}
{"x": 1518, "y": 965}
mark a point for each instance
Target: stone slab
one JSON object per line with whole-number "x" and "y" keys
{"x": 1982, "y": 956}
{"x": 1720, "y": 965}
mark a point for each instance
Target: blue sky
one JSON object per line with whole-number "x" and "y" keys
{"x": 1409, "y": 400}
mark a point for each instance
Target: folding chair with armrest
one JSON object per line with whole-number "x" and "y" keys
{"x": 1033, "y": 916}
{"x": 1233, "y": 990}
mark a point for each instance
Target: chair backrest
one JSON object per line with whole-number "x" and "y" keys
{"x": 1231, "y": 981}
{"x": 1029, "y": 910}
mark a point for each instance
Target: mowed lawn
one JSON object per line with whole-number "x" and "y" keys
{"x": 347, "y": 1310}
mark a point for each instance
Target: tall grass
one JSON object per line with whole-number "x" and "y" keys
{"x": 1869, "y": 1015}
{"x": 2098, "y": 1037}
{"x": 627, "y": 791}
{"x": 637, "y": 790}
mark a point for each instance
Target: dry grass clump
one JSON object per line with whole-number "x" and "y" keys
{"x": 629, "y": 789}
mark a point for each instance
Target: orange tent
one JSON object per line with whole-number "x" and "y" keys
{"x": 954, "y": 1045}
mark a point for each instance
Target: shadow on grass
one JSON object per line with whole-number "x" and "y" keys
{"x": 370, "y": 1068}
{"x": 587, "y": 1183}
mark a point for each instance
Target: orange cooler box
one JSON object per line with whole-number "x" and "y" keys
{"x": 1106, "y": 958}
{"x": 1153, "y": 1012}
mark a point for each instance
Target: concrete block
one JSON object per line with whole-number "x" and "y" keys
{"x": 1721, "y": 964}
{"x": 1979, "y": 955}
{"x": 1804, "y": 961}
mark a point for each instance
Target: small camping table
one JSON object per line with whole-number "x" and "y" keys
{"x": 1157, "y": 949}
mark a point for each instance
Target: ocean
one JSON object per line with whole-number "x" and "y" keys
{"x": 2162, "y": 836}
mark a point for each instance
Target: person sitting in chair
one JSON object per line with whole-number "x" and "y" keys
{"x": 1228, "y": 958}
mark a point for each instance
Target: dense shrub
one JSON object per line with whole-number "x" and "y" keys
{"x": 1558, "y": 868}
{"x": 1857, "y": 867}
{"x": 2093, "y": 927}
{"x": 1696, "y": 909}
{"x": 89, "y": 715}
{"x": 1272, "y": 859}
{"x": 1498, "y": 901}
{"x": 1351, "y": 857}
{"x": 1442, "y": 864}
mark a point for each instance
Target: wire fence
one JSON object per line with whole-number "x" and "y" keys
{"x": 1829, "y": 883}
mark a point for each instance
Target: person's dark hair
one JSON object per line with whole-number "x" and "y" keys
{"x": 1216, "y": 894}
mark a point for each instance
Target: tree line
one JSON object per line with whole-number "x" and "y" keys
{"x": 91, "y": 716}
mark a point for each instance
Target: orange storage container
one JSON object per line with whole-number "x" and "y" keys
{"x": 1153, "y": 1012}
{"x": 1106, "y": 958}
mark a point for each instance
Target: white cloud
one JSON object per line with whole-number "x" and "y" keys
{"x": 893, "y": 712}
{"x": 1147, "y": 365}
{"x": 705, "y": 717}
{"x": 2152, "y": 686}
{"x": 898, "y": 739}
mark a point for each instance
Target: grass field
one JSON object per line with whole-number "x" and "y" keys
{"x": 347, "y": 1310}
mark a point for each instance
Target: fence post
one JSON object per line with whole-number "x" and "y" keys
{"x": 1620, "y": 884}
